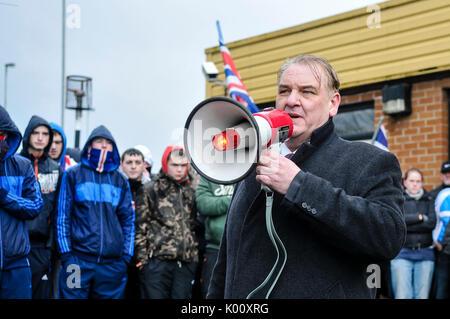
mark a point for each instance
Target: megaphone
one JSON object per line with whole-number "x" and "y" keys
{"x": 223, "y": 140}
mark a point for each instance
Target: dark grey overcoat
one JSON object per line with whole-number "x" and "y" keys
{"x": 342, "y": 212}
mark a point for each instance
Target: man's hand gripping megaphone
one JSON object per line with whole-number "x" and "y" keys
{"x": 275, "y": 171}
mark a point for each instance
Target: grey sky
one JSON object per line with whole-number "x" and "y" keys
{"x": 144, "y": 57}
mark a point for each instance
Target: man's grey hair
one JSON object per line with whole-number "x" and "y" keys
{"x": 313, "y": 62}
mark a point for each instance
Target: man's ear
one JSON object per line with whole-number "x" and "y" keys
{"x": 335, "y": 101}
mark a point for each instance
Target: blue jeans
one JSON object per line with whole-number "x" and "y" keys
{"x": 411, "y": 279}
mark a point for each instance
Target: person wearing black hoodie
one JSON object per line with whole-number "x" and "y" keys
{"x": 36, "y": 145}
{"x": 20, "y": 200}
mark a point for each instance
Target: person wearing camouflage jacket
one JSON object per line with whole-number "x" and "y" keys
{"x": 166, "y": 245}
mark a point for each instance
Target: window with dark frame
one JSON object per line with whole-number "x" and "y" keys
{"x": 355, "y": 121}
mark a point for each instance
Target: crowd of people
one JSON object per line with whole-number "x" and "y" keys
{"x": 94, "y": 223}
{"x": 99, "y": 224}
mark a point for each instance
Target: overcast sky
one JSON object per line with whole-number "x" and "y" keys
{"x": 144, "y": 57}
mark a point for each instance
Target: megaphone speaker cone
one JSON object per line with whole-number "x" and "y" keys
{"x": 223, "y": 139}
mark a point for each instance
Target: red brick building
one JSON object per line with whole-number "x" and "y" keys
{"x": 420, "y": 139}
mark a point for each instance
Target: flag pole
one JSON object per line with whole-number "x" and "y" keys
{"x": 235, "y": 86}
{"x": 219, "y": 31}
{"x": 377, "y": 130}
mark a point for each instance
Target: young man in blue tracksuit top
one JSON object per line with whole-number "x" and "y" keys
{"x": 20, "y": 200}
{"x": 95, "y": 222}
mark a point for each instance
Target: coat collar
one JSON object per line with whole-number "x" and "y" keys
{"x": 320, "y": 134}
{"x": 318, "y": 137}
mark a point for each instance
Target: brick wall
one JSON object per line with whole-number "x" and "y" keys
{"x": 421, "y": 139}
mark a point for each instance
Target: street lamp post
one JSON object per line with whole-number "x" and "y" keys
{"x": 7, "y": 65}
{"x": 78, "y": 98}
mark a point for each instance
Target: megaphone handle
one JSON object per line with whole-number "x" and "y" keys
{"x": 266, "y": 188}
{"x": 275, "y": 147}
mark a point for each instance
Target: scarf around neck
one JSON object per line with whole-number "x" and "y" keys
{"x": 100, "y": 160}
{"x": 415, "y": 196}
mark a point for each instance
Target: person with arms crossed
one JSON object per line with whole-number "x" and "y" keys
{"x": 412, "y": 269}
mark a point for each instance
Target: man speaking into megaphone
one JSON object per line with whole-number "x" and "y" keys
{"x": 337, "y": 205}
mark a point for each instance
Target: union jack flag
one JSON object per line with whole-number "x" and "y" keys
{"x": 235, "y": 86}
